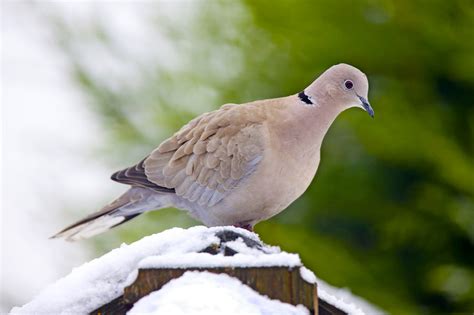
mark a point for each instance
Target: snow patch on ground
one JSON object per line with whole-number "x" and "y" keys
{"x": 205, "y": 293}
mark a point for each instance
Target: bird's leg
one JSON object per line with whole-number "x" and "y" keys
{"x": 244, "y": 225}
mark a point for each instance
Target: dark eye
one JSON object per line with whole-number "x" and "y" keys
{"x": 348, "y": 84}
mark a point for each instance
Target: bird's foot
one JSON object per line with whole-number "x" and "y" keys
{"x": 246, "y": 226}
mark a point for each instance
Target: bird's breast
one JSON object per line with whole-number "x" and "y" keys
{"x": 296, "y": 169}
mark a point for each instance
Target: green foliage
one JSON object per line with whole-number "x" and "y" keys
{"x": 391, "y": 212}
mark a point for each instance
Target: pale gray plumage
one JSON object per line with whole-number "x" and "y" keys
{"x": 238, "y": 165}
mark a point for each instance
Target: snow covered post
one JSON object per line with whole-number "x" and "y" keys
{"x": 234, "y": 252}
{"x": 219, "y": 270}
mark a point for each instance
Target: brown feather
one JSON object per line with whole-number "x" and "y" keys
{"x": 208, "y": 156}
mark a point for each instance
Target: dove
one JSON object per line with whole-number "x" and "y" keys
{"x": 237, "y": 165}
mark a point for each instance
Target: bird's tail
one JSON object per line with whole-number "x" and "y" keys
{"x": 132, "y": 203}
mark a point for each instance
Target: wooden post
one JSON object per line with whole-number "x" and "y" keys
{"x": 280, "y": 283}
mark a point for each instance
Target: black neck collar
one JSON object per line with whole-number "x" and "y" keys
{"x": 305, "y": 98}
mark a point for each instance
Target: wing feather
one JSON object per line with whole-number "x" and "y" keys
{"x": 135, "y": 176}
{"x": 210, "y": 155}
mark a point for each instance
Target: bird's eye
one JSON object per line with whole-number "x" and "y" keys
{"x": 348, "y": 84}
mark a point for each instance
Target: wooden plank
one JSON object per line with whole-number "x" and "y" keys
{"x": 146, "y": 281}
{"x": 328, "y": 309}
{"x": 281, "y": 283}
{"x": 115, "y": 307}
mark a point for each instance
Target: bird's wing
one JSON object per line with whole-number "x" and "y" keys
{"x": 210, "y": 155}
{"x": 135, "y": 176}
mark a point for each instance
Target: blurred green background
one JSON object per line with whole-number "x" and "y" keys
{"x": 390, "y": 214}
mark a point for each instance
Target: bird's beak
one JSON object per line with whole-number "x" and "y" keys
{"x": 366, "y": 106}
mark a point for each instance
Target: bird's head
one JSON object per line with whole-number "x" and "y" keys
{"x": 343, "y": 86}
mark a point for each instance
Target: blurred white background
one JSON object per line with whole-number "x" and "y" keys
{"x": 48, "y": 137}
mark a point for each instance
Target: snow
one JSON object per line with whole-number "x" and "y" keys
{"x": 340, "y": 298}
{"x": 204, "y": 260}
{"x": 239, "y": 246}
{"x": 307, "y": 275}
{"x": 205, "y": 293}
{"x": 103, "y": 279}
{"x": 344, "y": 300}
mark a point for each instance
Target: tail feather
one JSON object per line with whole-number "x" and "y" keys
{"x": 90, "y": 228}
{"x": 132, "y": 203}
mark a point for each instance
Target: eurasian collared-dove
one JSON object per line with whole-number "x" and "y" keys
{"x": 237, "y": 165}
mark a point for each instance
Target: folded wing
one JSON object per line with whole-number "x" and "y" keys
{"x": 210, "y": 155}
{"x": 205, "y": 159}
